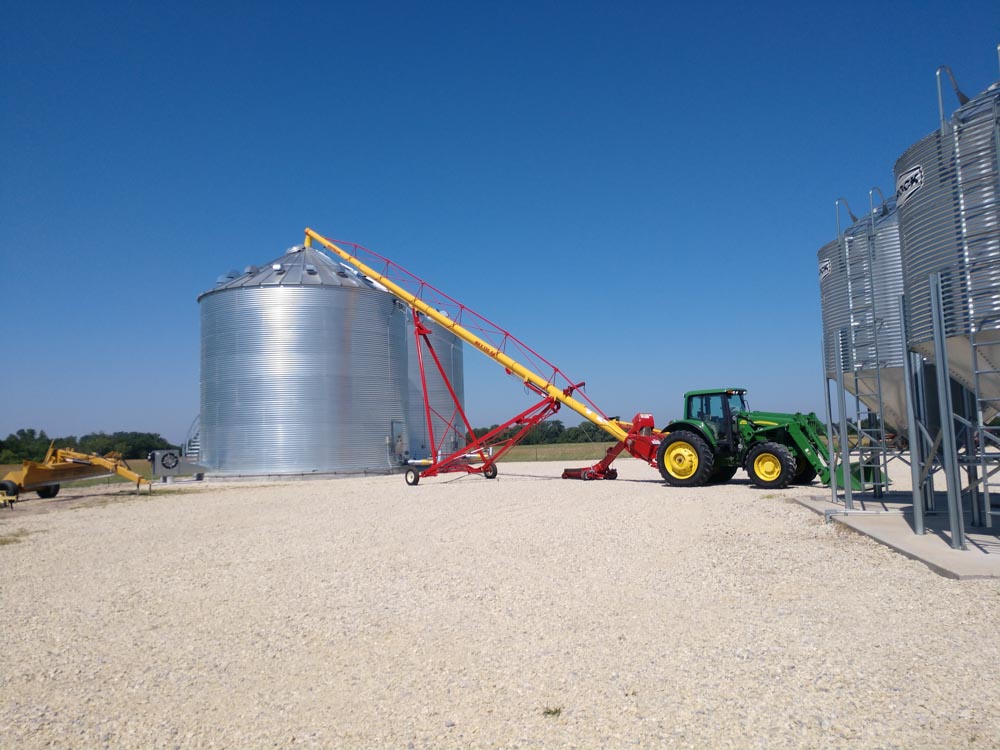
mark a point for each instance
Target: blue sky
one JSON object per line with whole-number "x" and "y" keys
{"x": 637, "y": 190}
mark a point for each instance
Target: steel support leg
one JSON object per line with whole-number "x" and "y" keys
{"x": 845, "y": 447}
{"x": 948, "y": 443}
{"x": 916, "y": 441}
{"x": 831, "y": 454}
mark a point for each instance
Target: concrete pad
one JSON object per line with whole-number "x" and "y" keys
{"x": 889, "y": 521}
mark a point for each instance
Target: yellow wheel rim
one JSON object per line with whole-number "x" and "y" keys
{"x": 767, "y": 466}
{"x": 680, "y": 460}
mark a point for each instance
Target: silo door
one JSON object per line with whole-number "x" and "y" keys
{"x": 397, "y": 439}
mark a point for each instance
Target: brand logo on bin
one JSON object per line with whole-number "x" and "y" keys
{"x": 908, "y": 183}
{"x": 825, "y": 268}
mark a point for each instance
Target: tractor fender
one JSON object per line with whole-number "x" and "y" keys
{"x": 693, "y": 425}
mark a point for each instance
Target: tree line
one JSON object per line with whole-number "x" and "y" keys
{"x": 554, "y": 431}
{"x": 31, "y": 444}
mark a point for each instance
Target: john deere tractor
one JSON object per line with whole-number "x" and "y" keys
{"x": 720, "y": 435}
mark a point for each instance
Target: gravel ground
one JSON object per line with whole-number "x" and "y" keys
{"x": 522, "y": 612}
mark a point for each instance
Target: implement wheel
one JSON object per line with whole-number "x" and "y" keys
{"x": 490, "y": 472}
{"x": 46, "y": 493}
{"x": 8, "y": 493}
{"x": 412, "y": 477}
{"x": 684, "y": 459}
{"x": 770, "y": 466}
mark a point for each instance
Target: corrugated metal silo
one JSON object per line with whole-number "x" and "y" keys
{"x": 948, "y": 188}
{"x": 448, "y": 348}
{"x": 861, "y": 279}
{"x": 303, "y": 370}
{"x": 835, "y": 306}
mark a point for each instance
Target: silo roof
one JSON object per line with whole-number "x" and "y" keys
{"x": 297, "y": 266}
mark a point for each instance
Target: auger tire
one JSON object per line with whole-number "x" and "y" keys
{"x": 684, "y": 459}
{"x": 412, "y": 477}
{"x": 490, "y": 472}
{"x": 770, "y": 466}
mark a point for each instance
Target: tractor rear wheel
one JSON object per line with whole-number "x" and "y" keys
{"x": 48, "y": 492}
{"x": 804, "y": 471}
{"x": 684, "y": 459}
{"x": 770, "y": 465}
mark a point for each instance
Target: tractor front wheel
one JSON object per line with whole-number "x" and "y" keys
{"x": 770, "y": 466}
{"x": 684, "y": 459}
{"x": 48, "y": 492}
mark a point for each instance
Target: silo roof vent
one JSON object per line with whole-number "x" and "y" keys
{"x": 307, "y": 266}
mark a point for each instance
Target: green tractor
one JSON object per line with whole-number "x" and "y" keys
{"x": 720, "y": 435}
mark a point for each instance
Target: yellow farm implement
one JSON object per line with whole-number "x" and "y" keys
{"x": 63, "y": 465}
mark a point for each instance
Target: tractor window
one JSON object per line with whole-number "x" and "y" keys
{"x": 710, "y": 407}
{"x": 737, "y": 403}
{"x": 707, "y": 408}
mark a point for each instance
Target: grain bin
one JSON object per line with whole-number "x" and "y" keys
{"x": 303, "y": 370}
{"x": 860, "y": 282}
{"x": 448, "y": 348}
{"x": 947, "y": 191}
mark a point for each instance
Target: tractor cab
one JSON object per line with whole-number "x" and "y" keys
{"x": 717, "y": 410}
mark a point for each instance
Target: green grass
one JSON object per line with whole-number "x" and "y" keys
{"x": 552, "y": 711}
{"x": 13, "y": 538}
{"x": 558, "y": 452}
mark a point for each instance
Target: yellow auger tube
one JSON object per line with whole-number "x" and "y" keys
{"x": 609, "y": 426}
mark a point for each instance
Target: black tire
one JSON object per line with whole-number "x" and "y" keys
{"x": 684, "y": 459}
{"x": 490, "y": 472}
{"x": 770, "y": 466}
{"x": 49, "y": 492}
{"x": 412, "y": 477}
{"x": 8, "y": 492}
{"x": 723, "y": 474}
{"x": 804, "y": 471}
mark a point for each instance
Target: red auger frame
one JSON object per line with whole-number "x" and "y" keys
{"x": 480, "y": 454}
{"x": 642, "y": 441}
